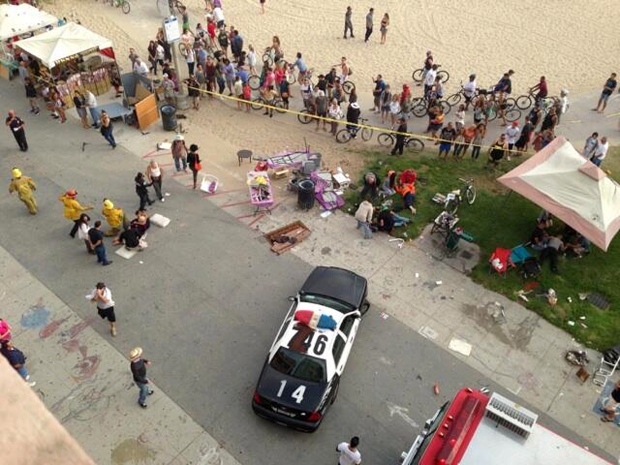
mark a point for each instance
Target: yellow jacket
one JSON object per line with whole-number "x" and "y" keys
{"x": 23, "y": 186}
{"x": 114, "y": 217}
{"x": 73, "y": 208}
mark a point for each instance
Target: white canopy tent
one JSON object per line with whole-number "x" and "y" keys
{"x": 62, "y": 43}
{"x": 20, "y": 19}
{"x": 572, "y": 188}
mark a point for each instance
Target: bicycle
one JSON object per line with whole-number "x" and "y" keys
{"x": 124, "y": 4}
{"x": 421, "y": 108}
{"x": 348, "y": 87}
{"x": 305, "y": 116}
{"x": 254, "y": 81}
{"x": 292, "y": 77}
{"x": 511, "y": 112}
{"x": 171, "y": 6}
{"x": 260, "y": 103}
{"x": 387, "y": 139}
{"x": 345, "y": 135}
{"x": 525, "y": 102}
{"x": 418, "y": 73}
{"x": 453, "y": 200}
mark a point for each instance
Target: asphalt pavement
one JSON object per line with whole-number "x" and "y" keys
{"x": 206, "y": 298}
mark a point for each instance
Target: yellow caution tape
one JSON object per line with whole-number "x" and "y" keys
{"x": 331, "y": 120}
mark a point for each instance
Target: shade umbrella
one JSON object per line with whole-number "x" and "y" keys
{"x": 20, "y": 19}
{"x": 560, "y": 180}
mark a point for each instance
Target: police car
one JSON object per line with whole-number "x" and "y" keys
{"x": 301, "y": 375}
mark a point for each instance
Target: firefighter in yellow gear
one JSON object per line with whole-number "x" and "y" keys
{"x": 114, "y": 216}
{"x": 73, "y": 209}
{"x": 24, "y": 186}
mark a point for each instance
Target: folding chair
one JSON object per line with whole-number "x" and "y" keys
{"x": 501, "y": 262}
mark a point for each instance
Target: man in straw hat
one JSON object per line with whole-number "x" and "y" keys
{"x": 24, "y": 186}
{"x": 138, "y": 370}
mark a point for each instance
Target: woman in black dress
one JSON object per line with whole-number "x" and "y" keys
{"x": 193, "y": 161}
{"x": 142, "y": 190}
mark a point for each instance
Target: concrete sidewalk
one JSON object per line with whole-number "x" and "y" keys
{"x": 79, "y": 373}
{"x": 87, "y": 385}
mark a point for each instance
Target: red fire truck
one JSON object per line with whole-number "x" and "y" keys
{"x": 476, "y": 428}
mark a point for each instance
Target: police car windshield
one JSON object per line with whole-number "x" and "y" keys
{"x": 299, "y": 365}
{"x": 326, "y": 302}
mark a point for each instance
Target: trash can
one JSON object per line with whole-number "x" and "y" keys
{"x": 169, "y": 117}
{"x": 305, "y": 194}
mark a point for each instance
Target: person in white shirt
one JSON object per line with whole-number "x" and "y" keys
{"x": 429, "y": 80}
{"x": 105, "y": 305}
{"x": 512, "y": 134}
{"x": 600, "y": 152}
{"x": 140, "y": 67}
{"x": 469, "y": 90}
{"x": 190, "y": 59}
{"x": 218, "y": 17}
{"x": 91, "y": 104}
{"x": 160, "y": 54}
{"x": 349, "y": 455}
{"x": 590, "y": 145}
{"x": 562, "y": 104}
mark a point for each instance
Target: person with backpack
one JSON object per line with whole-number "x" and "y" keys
{"x": 24, "y": 186}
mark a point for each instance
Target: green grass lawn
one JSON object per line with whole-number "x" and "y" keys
{"x": 499, "y": 218}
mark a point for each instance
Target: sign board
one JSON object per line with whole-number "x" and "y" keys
{"x": 171, "y": 29}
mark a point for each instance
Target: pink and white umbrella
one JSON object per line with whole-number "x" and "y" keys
{"x": 560, "y": 180}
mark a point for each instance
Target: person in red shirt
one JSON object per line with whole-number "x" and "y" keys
{"x": 211, "y": 30}
{"x": 541, "y": 87}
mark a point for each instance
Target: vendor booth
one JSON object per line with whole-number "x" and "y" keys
{"x": 75, "y": 58}
{"x": 15, "y": 22}
{"x": 64, "y": 55}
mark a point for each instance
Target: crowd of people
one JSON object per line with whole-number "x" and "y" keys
{"x": 218, "y": 63}
{"x": 552, "y": 243}
{"x": 376, "y": 211}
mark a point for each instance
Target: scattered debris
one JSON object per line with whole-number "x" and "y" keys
{"x": 398, "y": 241}
{"x": 417, "y": 275}
{"x": 284, "y": 238}
{"x": 439, "y": 283}
{"x": 384, "y": 315}
{"x": 522, "y": 295}
{"x": 571, "y": 323}
{"x": 160, "y": 220}
{"x": 326, "y": 213}
{"x": 436, "y": 389}
{"x": 461, "y": 347}
{"x": 577, "y": 357}
{"x": 497, "y": 313}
